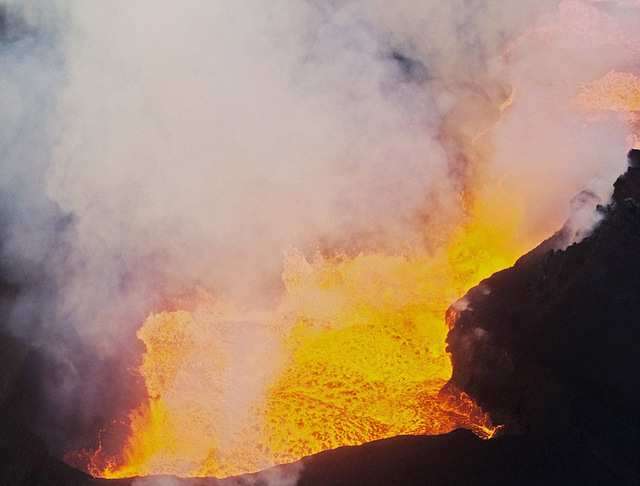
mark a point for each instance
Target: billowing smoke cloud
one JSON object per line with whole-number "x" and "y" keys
{"x": 151, "y": 147}
{"x": 544, "y": 142}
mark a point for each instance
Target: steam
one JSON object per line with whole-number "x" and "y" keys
{"x": 287, "y": 475}
{"x": 276, "y": 476}
{"x": 157, "y": 481}
{"x": 151, "y": 147}
{"x": 555, "y": 146}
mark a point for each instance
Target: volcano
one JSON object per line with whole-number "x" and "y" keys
{"x": 230, "y": 233}
{"x": 547, "y": 347}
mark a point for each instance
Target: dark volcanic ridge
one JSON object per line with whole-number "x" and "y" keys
{"x": 550, "y": 346}
{"x": 547, "y": 347}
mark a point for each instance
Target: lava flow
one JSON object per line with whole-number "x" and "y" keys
{"x": 356, "y": 352}
{"x": 353, "y": 352}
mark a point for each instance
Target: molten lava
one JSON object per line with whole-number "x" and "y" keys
{"x": 355, "y": 352}
{"x": 615, "y": 92}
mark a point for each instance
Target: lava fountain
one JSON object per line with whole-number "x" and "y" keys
{"x": 360, "y": 356}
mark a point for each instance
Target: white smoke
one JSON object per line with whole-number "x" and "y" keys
{"x": 287, "y": 475}
{"x": 150, "y": 147}
{"x": 157, "y": 481}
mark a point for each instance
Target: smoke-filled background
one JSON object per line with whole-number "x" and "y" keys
{"x": 148, "y": 148}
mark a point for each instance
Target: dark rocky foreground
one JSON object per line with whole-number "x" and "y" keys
{"x": 458, "y": 458}
{"x": 550, "y": 347}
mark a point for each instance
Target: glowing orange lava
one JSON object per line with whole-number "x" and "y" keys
{"x": 615, "y": 92}
{"x": 354, "y": 352}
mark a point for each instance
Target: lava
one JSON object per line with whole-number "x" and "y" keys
{"x": 354, "y": 350}
{"x": 358, "y": 354}
{"x": 615, "y": 92}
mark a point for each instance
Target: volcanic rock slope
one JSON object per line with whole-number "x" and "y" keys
{"x": 550, "y": 347}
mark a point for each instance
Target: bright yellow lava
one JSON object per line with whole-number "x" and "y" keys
{"x": 355, "y": 352}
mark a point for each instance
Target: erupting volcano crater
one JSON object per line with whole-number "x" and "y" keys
{"x": 281, "y": 242}
{"x": 355, "y": 353}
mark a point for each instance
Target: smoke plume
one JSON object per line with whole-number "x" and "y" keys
{"x": 152, "y": 147}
